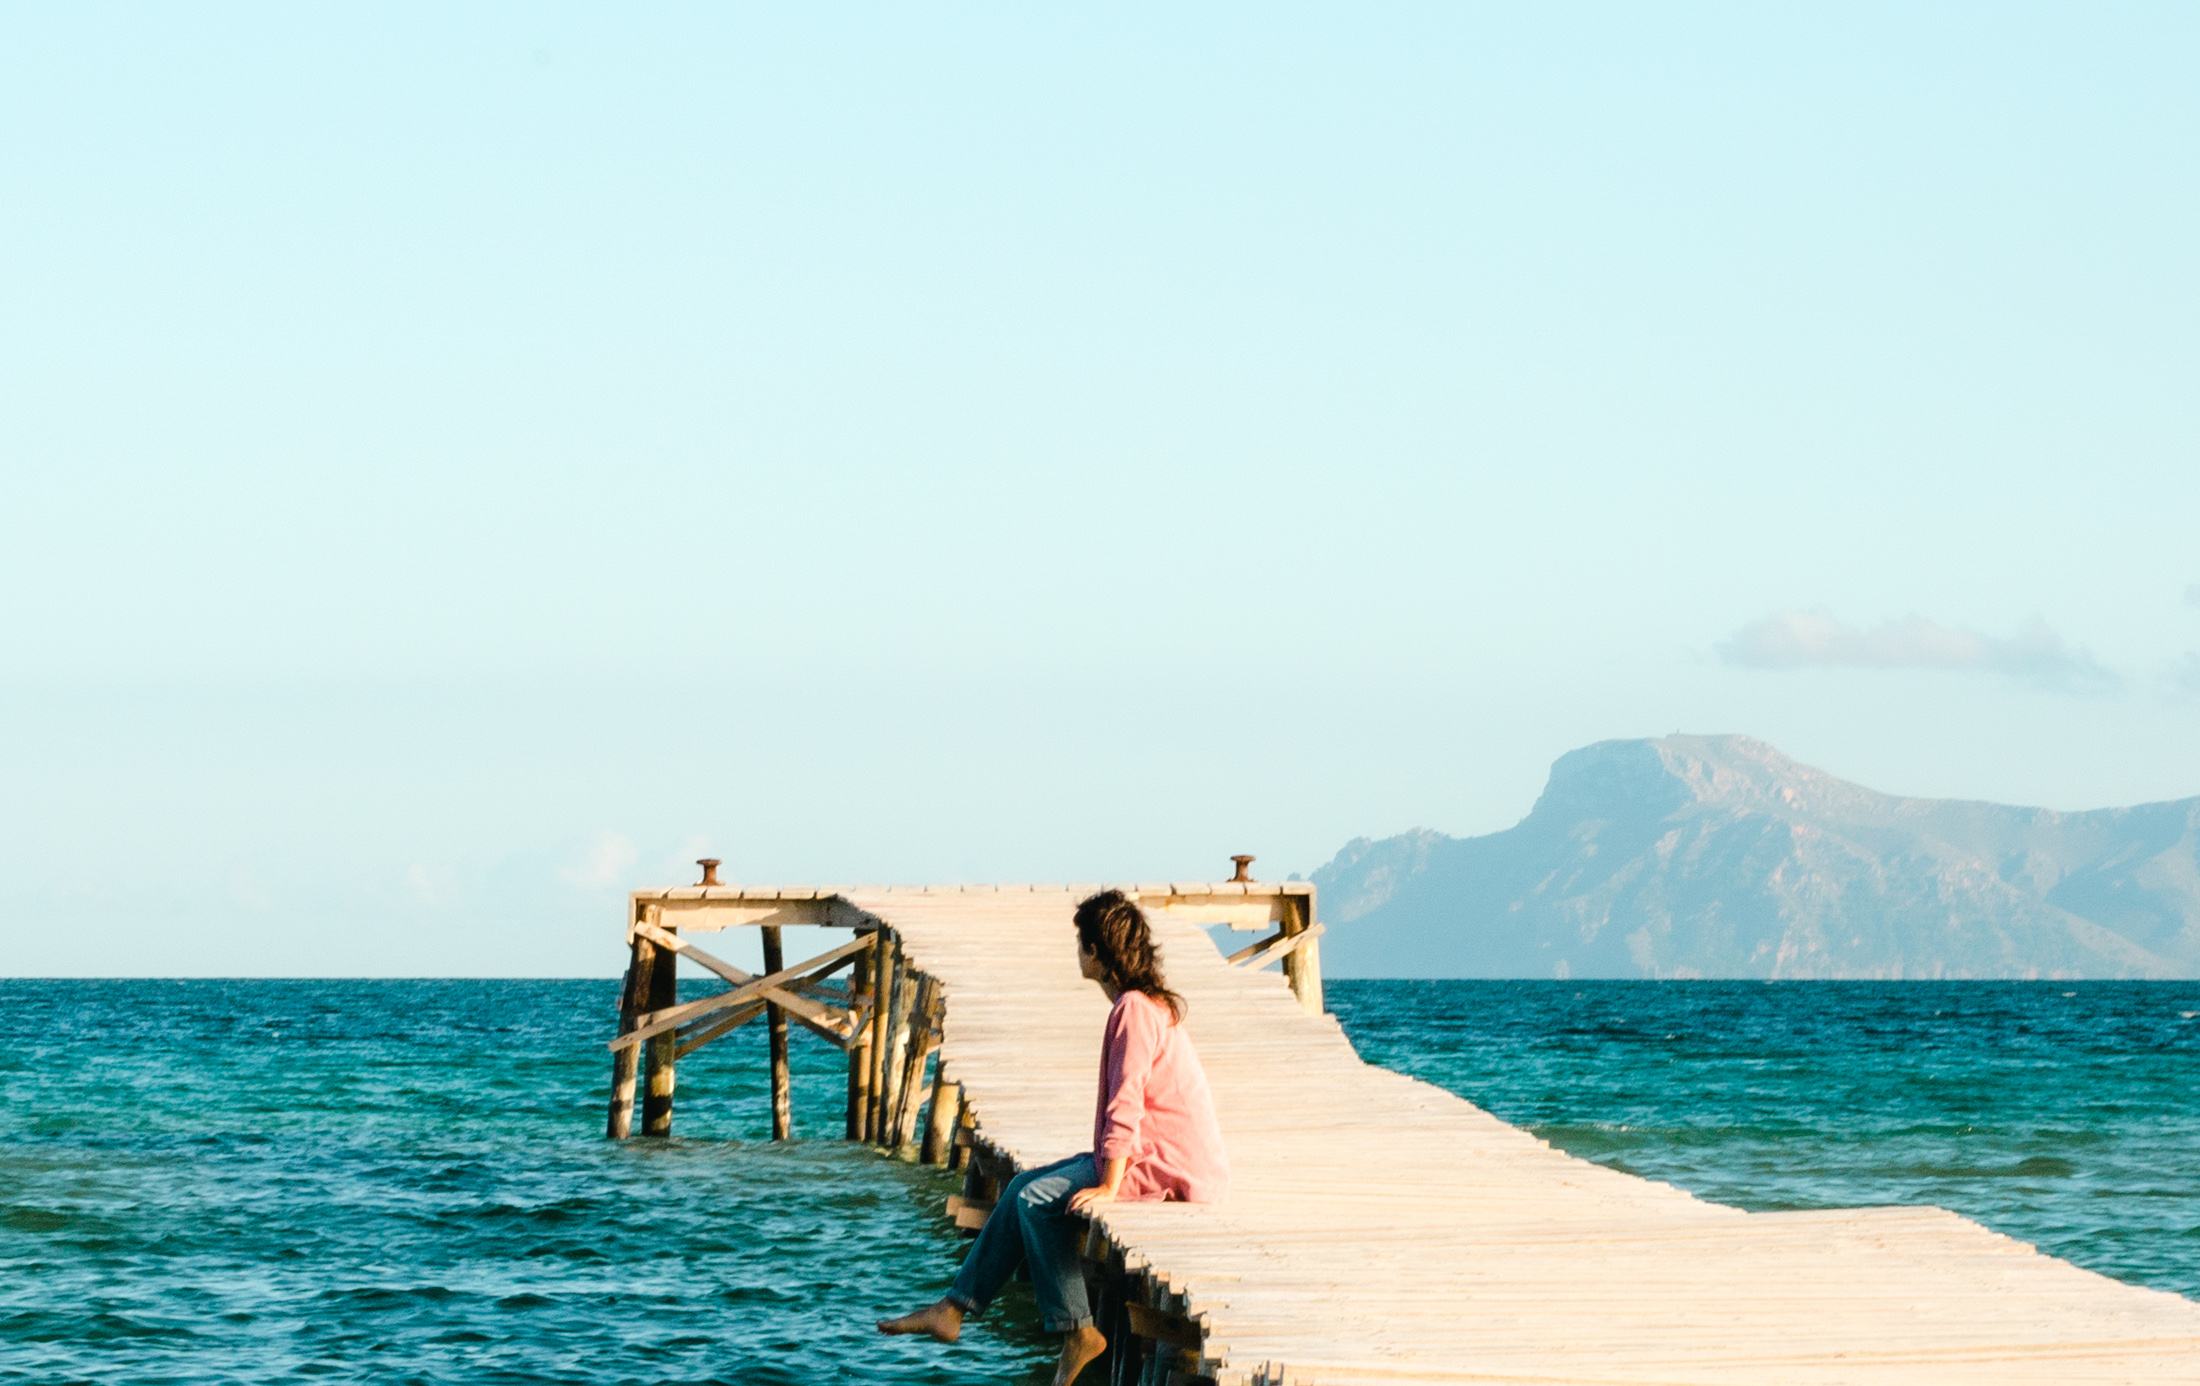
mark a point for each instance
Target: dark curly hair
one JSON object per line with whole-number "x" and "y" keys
{"x": 1111, "y": 926}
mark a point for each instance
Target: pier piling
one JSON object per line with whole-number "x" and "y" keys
{"x": 939, "y": 1129}
{"x": 882, "y": 1020}
{"x": 859, "y": 1056}
{"x": 641, "y": 959}
{"x": 775, "y": 1021}
{"x": 661, "y": 1050}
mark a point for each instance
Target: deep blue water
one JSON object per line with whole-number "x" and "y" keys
{"x": 406, "y": 1181}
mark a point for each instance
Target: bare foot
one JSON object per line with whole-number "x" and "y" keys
{"x": 1079, "y": 1347}
{"x": 943, "y": 1321}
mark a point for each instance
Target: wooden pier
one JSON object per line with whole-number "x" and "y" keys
{"x": 1380, "y": 1230}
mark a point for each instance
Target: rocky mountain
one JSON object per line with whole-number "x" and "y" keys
{"x": 1717, "y": 856}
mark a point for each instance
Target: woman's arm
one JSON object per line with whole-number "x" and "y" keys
{"x": 1132, "y": 1044}
{"x": 1111, "y": 1181}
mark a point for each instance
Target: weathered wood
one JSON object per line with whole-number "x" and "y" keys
{"x": 701, "y": 1034}
{"x": 1164, "y": 1328}
{"x": 776, "y": 1020}
{"x": 1277, "y": 945}
{"x": 900, "y": 1041}
{"x": 908, "y": 1060}
{"x": 923, "y": 1039}
{"x": 859, "y": 1060}
{"x": 1237, "y": 912}
{"x": 662, "y": 1045}
{"x": 795, "y": 1001}
{"x": 1302, "y": 968}
{"x": 625, "y": 1063}
{"x": 707, "y": 911}
{"x": 939, "y": 1130}
{"x": 977, "y": 1190}
{"x": 884, "y": 960}
{"x": 669, "y": 1016}
{"x": 902, "y": 990}
{"x": 762, "y": 989}
{"x": 965, "y": 1137}
{"x": 711, "y": 962}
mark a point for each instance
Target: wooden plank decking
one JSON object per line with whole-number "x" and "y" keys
{"x": 1383, "y": 1230}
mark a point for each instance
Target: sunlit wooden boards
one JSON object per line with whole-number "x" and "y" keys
{"x": 1384, "y": 1231}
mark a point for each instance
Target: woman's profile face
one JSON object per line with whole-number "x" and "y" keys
{"x": 1088, "y": 962}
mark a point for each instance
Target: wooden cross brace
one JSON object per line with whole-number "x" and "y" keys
{"x": 782, "y": 988}
{"x": 1273, "y": 948}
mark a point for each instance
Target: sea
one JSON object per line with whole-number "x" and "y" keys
{"x": 407, "y": 1181}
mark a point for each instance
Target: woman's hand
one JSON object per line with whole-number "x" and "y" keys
{"x": 1111, "y": 1180}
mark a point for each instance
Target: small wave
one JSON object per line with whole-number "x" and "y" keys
{"x": 386, "y": 1297}
{"x": 569, "y": 1251}
{"x": 76, "y": 1327}
{"x": 757, "y": 1294}
{"x": 20, "y": 1219}
{"x": 2037, "y": 1167}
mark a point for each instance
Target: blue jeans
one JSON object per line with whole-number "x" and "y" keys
{"x": 1032, "y": 1224}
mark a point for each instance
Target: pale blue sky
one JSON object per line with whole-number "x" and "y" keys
{"x": 462, "y": 464}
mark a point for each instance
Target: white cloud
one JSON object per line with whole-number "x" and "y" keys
{"x": 608, "y": 858}
{"x": 1816, "y": 639}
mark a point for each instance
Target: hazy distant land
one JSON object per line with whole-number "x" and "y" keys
{"x": 1717, "y": 856}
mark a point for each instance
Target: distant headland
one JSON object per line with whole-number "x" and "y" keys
{"x": 1717, "y": 856}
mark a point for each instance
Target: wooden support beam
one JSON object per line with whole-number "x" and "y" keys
{"x": 882, "y": 1006}
{"x": 969, "y": 1213}
{"x": 657, "y": 1058}
{"x": 924, "y": 1037}
{"x": 641, "y": 960}
{"x": 695, "y": 1036}
{"x": 939, "y": 1130}
{"x": 859, "y": 1058}
{"x": 793, "y": 1000}
{"x": 907, "y": 1047}
{"x": 897, "y": 1053}
{"x": 1163, "y": 1327}
{"x": 775, "y": 1020}
{"x": 966, "y": 1132}
{"x": 670, "y": 1017}
{"x": 1303, "y": 967}
{"x": 1277, "y": 945}
{"x": 700, "y": 1035}
{"x": 978, "y": 1192}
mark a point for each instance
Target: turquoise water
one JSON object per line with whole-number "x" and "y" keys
{"x": 406, "y": 1181}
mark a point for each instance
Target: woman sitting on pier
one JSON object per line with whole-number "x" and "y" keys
{"x": 1154, "y": 1136}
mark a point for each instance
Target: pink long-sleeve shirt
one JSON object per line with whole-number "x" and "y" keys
{"x": 1155, "y": 1109}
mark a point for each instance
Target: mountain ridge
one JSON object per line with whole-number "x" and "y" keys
{"x": 1700, "y": 856}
